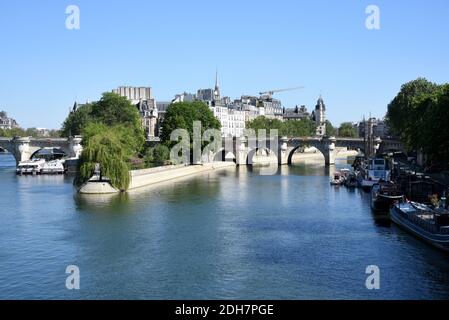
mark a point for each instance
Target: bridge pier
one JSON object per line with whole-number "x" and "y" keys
{"x": 75, "y": 146}
{"x": 284, "y": 152}
{"x": 330, "y": 151}
{"x": 242, "y": 152}
{"x": 21, "y": 149}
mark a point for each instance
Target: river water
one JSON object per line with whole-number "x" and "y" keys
{"x": 233, "y": 234}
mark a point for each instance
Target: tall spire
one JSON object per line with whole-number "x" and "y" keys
{"x": 216, "y": 79}
{"x": 217, "y": 87}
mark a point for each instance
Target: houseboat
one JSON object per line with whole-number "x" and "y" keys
{"x": 428, "y": 224}
{"x": 384, "y": 195}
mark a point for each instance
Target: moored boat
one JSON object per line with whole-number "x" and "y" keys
{"x": 430, "y": 225}
{"x": 351, "y": 180}
{"x": 338, "y": 179}
{"x": 377, "y": 170}
{"x": 384, "y": 195}
{"x": 33, "y": 166}
{"x": 53, "y": 167}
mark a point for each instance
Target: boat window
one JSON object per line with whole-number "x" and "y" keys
{"x": 379, "y": 162}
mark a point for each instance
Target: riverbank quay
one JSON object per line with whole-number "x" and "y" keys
{"x": 146, "y": 177}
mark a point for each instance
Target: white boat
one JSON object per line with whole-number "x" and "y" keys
{"x": 30, "y": 167}
{"x": 338, "y": 179}
{"x": 376, "y": 171}
{"x": 53, "y": 167}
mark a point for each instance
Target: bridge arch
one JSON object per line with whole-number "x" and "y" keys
{"x": 224, "y": 155}
{"x": 49, "y": 153}
{"x": 252, "y": 153}
{"x": 293, "y": 150}
{"x": 23, "y": 148}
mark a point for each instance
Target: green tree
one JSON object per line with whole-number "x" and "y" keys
{"x": 300, "y": 128}
{"x": 55, "y": 133}
{"x": 77, "y": 120}
{"x": 268, "y": 124}
{"x": 157, "y": 156}
{"x": 109, "y": 147}
{"x": 11, "y": 133}
{"x": 31, "y": 132}
{"x": 347, "y": 130}
{"x": 404, "y": 115}
{"x": 419, "y": 115}
{"x": 113, "y": 137}
{"x": 181, "y": 115}
{"x": 433, "y": 137}
{"x": 330, "y": 129}
{"x": 114, "y": 109}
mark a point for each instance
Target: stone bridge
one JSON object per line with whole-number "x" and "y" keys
{"x": 242, "y": 149}
{"x": 23, "y": 148}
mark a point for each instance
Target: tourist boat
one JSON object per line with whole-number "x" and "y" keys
{"x": 384, "y": 195}
{"x": 377, "y": 170}
{"x": 33, "y": 166}
{"x": 338, "y": 179}
{"x": 430, "y": 225}
{"x": 53, "y": 167}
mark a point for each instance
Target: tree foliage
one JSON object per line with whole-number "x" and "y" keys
{"x": 113, "y": 137}
{"x": 77, "y": 120}
{"x": 404, "y": 112}
{"x": 11, "y": 133}
{"x": 347, "y": 130}
{"x": 157, "y": 156}
{"x": 112, "y": 109}
{"x": 181, "y": 115}
{"x": 107, "y": 146}
{"x": 30, "y": 132}
{"x": 330, "y": 129}
{"x": 419, "y": 115}
{"x": 301, "y": 128}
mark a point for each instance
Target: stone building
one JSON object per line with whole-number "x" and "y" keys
{"x": 7, "y": 123}
{"x": 319, "y": 116}
{"x": 296, "y": 114}
{"x": 232, "y": 120}
{"x": 378, "y": 127}
{"x": 142, "y": 98}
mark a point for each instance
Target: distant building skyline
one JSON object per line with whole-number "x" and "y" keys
{"x": 322, "y": 45}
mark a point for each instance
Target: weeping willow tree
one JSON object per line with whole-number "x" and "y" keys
{"x": 111, "y": 148}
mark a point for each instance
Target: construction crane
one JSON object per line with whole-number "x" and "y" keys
{"x": 271, "y": 92}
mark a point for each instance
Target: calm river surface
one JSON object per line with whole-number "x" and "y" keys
{"x": 226, "y": 235}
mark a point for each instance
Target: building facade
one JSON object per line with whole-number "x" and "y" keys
{"x": 7, "y": 123}
{"x": 319, "y": 116}
{"x": 296, "y": 114}
{"x": 134, "y": 94}
{"x": 231, "y": 116}
{"x": 142, "y": 98}
{"x": 379, "y": 128}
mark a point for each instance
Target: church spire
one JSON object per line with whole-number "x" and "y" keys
{"x": 217, "y": 87}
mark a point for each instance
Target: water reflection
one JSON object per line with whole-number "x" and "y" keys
{"x": 231, "y": 234}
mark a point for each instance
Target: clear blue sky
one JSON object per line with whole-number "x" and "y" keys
{"x": 175, "y": 46}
